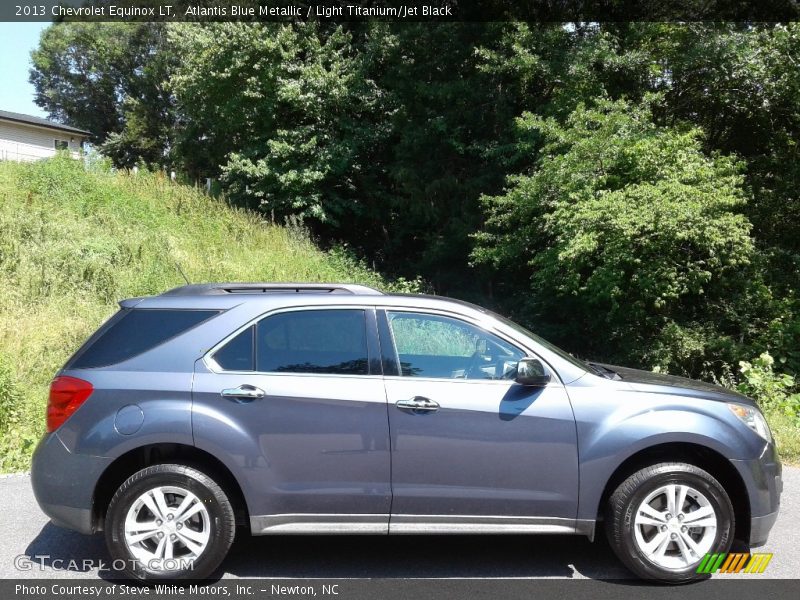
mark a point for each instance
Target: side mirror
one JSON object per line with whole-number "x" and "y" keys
{"x": 531, "y": 372}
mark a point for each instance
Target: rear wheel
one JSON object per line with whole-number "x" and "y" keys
{"x": 662, "y": 521}
{"x": 169, "y": 522}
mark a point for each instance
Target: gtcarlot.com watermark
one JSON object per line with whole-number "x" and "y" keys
{"x": 43, "y": 562}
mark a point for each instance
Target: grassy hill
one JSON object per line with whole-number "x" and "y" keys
{"x": 74, "y": 242}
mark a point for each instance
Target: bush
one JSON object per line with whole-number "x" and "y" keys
{"x": 9, "y": 395}
{"x": 774, "y": 392}
{"x": 628, "y": 241}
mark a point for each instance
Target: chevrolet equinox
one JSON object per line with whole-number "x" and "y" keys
{"x": 269, "y": 409}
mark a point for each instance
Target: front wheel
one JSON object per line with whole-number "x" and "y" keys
{"x": 662, "y": 521}
{"x": 169, "y": 522}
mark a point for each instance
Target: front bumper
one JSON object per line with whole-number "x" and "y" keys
{"x": 762, "y": 478}
{"x": 64, "y": 483}
{"x": 760, "y": 528}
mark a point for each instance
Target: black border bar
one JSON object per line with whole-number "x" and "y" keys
{"x": 745, "y": 588}
{"x": 401, "y": 10}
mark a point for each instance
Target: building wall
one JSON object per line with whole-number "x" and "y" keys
{"x": 22, "y": 142}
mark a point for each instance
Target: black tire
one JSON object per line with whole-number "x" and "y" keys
{"x": 626, "y": 499}
{"x": 221, "y": 521}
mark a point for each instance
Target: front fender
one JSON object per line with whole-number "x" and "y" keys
{"x": 611, "y": 432}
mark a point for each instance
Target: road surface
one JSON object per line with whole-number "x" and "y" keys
{"x": 30, "y": 542}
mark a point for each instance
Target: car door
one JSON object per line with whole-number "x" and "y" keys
{"x": 295, "y": 400}
{"x": 471, "y": 449}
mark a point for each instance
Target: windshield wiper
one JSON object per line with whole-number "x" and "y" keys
{"x": 604, "y": 371}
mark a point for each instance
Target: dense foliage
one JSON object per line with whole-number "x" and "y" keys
{"x": 112, "y": 80}
{"x": 630, "y": 236}
{"x": 628, "y": 189}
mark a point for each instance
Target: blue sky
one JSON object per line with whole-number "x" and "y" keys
{"x": 18, "y": 39}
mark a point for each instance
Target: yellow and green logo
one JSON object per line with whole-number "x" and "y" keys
{"x": 734, "y": 562}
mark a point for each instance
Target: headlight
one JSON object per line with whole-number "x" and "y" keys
{"x": 753, "y": 418}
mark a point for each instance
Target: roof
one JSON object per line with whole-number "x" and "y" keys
{"x": 219, "y": 289}
{"x": 39, "y": 122}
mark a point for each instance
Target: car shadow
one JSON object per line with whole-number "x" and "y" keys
{"x": 62, "y": 550}
{"x": 418, "y": 556}
{"x": 331, "y": 557}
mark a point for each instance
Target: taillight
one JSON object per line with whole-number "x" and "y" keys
{"x": 66, "y": 395}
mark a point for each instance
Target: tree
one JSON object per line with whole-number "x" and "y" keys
{"x": 384, "y": 136}
{"x": 629, "y": 242}
{"x": 283, "y": 112}
{"x": 380, "y": 136}
{"x": 109, "y": 78}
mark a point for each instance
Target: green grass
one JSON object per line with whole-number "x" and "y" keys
{"x": 73, "y": 243}
{"x": 787, "y": 436}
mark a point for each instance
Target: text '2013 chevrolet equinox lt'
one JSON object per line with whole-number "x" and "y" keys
{"x": 336, "y": 409}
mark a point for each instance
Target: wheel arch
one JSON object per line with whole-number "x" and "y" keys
{"x": 138, "y": 458}
{"x": 695, "y": 454}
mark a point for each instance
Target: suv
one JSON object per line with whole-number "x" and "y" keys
{"x": 307, "y": 408}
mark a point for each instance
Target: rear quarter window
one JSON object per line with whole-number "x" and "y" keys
{"x": 134, "y": 332}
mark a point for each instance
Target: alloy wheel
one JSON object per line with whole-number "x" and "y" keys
{"x": 167, "y": 522}
{"x": 675, "y": 526}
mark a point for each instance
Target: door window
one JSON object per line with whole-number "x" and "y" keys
{"x": 305, "y": 341}
{"x": 313, "y": 341}
{"x": 431, "y": 345}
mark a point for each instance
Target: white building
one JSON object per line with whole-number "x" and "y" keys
{"x": 26, "y": 138}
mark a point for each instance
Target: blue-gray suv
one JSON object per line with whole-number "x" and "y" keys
{"x": 307, "y": 408}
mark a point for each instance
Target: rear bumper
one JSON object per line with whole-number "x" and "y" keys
{"x": 64, "y": 483}
{"x": 762, "y": 478}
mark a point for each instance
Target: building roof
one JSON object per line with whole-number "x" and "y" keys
{"x": 39, "y": 122}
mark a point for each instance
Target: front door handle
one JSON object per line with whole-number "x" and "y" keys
{"x": 418, "y": 404}
{"x": 243, "y": 392}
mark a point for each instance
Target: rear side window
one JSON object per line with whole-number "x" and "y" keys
{"x": 330, "y": 342}
{"x": 313, "y": 341}
{"x": 239, "y": 353}
{"x": 135, "y": 332}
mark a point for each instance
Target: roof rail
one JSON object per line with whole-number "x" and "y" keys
{"x": 218, "y": 289}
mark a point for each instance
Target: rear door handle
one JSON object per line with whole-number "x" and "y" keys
{"x": 418, "y": 404}
{"x": 243, "y": 392}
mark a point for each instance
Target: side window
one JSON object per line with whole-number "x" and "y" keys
{"x": 330, "y": 341}
{"x": 135, "y": 331}
{"x": 437, "y": 346}
{"x": 61, "y": 144}
{"x": 239, "y": 353}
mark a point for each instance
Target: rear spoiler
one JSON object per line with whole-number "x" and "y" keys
{"x": 130, "y": 302}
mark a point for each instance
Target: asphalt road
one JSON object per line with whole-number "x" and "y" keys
{"x": 29, "y": 539}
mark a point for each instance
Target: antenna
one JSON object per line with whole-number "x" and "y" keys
{"x": 185, "y": 278}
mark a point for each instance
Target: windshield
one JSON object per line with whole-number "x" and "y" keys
{"x": 539, "y": 340}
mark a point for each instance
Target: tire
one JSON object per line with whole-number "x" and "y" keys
{"x": 656, "y": 547}
{"x": 149, "y": 501}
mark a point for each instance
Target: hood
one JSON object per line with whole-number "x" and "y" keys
{"x": 661, "y": 383}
